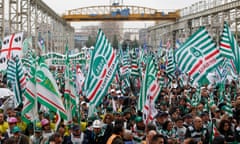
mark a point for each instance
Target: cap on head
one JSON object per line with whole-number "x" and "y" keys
{"x": 97, "y": 124}
{"x": 12, "y": 120}
{"x": 187, "y": 116}
{"x": 138, "y": 119}
{"x": 161, "y": 114}
{"x": 37, "y": 129}
{"x": 76, "y": 127}
{"x": 44, "y": 122}
{"x": 16, "y": 129}
{"x": 204, "y": 114}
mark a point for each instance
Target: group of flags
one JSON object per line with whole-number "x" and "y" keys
{"x": 32, "y": 83}
{"x": 196, "y": 58}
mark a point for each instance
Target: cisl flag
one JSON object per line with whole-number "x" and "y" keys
{"x": 12, "y": 46}
{"x": 103, "y": 67}
{"x": 198, "y": 56}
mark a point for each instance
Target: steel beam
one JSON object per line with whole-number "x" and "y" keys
{"x": 14, "y": 16}
{"x": 25, "y": 17}
{"x": 2, "y": 17}
{"x": 39, "y": 21}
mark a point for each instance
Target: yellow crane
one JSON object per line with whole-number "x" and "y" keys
{"x": 120, "y": 13}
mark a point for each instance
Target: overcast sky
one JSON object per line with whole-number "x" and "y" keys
{"x": 61, "y": 6}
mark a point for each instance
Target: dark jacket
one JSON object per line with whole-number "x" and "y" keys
{"x": 197, "y": 135}
{"x": 108, "y": 132}
{"x": 228, "y": 135}
{"x": 93, "y": 139}
{"x": 67, "y": 139}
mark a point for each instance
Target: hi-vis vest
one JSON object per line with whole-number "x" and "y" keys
{"x": 111, "y": 138}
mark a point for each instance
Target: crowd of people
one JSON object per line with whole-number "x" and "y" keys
{"x": 117, "y": 120}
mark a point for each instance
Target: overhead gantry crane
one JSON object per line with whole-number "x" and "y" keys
{"x": 120, "y": 13}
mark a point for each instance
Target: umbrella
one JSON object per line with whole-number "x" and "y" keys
{"x": 5, "y": 92}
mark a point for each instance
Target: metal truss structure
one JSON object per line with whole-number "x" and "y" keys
{"x": 120, "y": 12}
{"x": 210, "y": 16}
{"x": 36, "y": 20}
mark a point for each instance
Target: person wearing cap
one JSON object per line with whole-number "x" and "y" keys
{"x": 139, "y": 130}
{"x": 37, "y": 137}
{"x": 18, "y": 136}
{"x": 46, "y": 129}
{"x": 97, "y": 133}
{"x": 76, "y": 136}
{"x": 12, "y": 122}
{"x": 49, "y": 116}
{"x": 164, "y": 105}
{"x": 206, "y": 121}
{"x": 188, "y": 119}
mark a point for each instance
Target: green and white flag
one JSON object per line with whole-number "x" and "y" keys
{"x": 236, "y": 51}
{"x": 228, "y": 105}
{"x": 102, "y": 69}
{"x": 125, "y": 69}
{"x": 170, "y": 68}
{"x": 135, "y": 71}
{"x": 196, "y": 97}
{"x": 198, "y": 56}
{"x": 125, "y": 84}
{"x": 150, "y": 86}
{"x": 149, "y": 92}
{"x": 225, "y": 42}
{"x": 47, "y": 90}
{"x": 17, "y": 79}
{"x": 69, "y": 91}
{"x": 29, "y": 111}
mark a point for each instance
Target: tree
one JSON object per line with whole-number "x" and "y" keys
{"x": 90, "y": 42}
{"x": 115, "y": 42}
